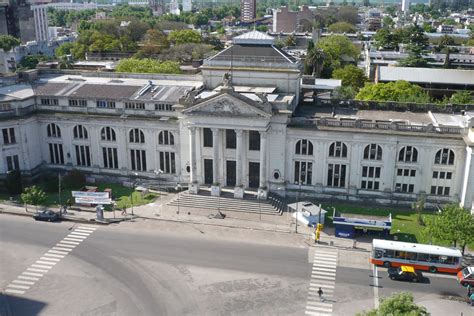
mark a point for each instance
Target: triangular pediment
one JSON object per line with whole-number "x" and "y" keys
{"x": 229, "y": 105}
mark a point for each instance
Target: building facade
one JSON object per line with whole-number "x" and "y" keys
{"x": 241, "y": 126}
{"x": 248, "y": 10}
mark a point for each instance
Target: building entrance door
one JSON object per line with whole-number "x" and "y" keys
{"x": 230, "y": 173}
{"x": 208, "y": 176}
{"x": 254, "y": 174}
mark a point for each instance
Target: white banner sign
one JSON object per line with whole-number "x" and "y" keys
{"x": 83, "y": 194}
{"x": 93, "y": 201}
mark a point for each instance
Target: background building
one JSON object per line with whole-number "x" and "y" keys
{"x": 248, "y": 10}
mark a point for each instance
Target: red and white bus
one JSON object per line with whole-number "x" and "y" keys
{"x": 419, "y": 256}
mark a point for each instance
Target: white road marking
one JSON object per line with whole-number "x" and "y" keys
{"x": 33, "y": 274}
{"x": 376, "y": 287}
{"x": 46, "y": 262}
{"x": 70, "y": 242}
{"x": 61, "y": 249}
{"x": 15, "y": 286}
{"x": 324, "y": 265}
{"x": 320, "y": 309}
{"x": 76, "y": 240}
{"x": 14, "y": 291}
{"x": 39, "y": 266}
{"x": 23, "y": 282}
{"x": 324, "y": 256}
{"x": 85, "y": 235}
{"x": 320, "y": 285}
{"x": 323, "y": 277}
{"x": 53, "y": 255}
{"x": 87, "y": 227}
{"x": 324, "y": 269}
{"x": 60, "y": 244}
{"x": 58, "y": 252}
{"x": 50, "y": 259}
{"x": 77, "y": 235}
{"x": 37, "y": 270}
{"x": 27, "y": 278}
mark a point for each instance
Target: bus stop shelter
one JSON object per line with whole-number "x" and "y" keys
{"x": 350, "y": 225}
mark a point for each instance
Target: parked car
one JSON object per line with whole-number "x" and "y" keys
{"x": 405, "y": 273}
{"x": 466, "y": 276}
{"x": 48, "y": 216}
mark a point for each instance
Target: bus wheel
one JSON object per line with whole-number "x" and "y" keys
{"x": 387, "y": 264}
{"x": 433, "y": 269}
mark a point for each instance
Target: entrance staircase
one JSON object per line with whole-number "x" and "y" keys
{"x": 274, "y": 205}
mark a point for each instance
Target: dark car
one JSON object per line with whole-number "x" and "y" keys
{"x": 405, "y": 273}
{"x": 48, "y": 216}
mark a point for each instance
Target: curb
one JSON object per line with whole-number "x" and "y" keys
{"x": 218, "y": 225}
{"x": 77, "y": 220}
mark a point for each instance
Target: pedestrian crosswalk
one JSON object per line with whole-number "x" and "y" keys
{"x": 323, "y": 278}
{"x": 44, "y": 264}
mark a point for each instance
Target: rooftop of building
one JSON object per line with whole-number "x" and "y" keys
{"x": 427, "y": 75}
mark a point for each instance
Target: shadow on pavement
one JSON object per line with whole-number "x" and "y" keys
{"x": 11, "y": 305}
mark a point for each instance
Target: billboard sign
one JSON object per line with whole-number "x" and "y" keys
{"x": 103, "y": 201}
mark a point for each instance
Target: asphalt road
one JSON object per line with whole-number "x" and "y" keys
{"x": 125, "y": 272}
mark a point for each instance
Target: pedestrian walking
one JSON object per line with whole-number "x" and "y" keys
{"x": 469, "y": 290}
{"x": 124, "y": 212}
{"x": 320, "y": 293}
{"x": 354, "y": 244}
{"x": 472, "y": 299}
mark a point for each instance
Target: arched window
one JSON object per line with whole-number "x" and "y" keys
{"x": 373, "y": 152}
{"x": 408, "y": 154}
{"x": 53, "y": 130}
{"x": 165, "y": 138}
{"x": 137, "y": 136}
{"x": 444, "y": 156}
{"x": 304, "y": 147}
{"x": 338, "y": 149}
{"x": 80, "y": 132}
{"x": 108, "y": 134}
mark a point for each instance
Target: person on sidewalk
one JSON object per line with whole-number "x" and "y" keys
{"x": 320, "y": 293}
{"x": 124, "y": 212}
{"x": 472, "y": 299}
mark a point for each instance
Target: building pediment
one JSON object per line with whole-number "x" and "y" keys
{"x": 229, "y": 105}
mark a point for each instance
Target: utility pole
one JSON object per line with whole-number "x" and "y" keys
{"x": 59, "y": 191}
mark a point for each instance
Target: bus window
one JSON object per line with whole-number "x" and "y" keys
{"x": 389, "y": 253}
{"x": 434, "y": 258}
{"x": 446, "y": 260}
{"x": 400, "y": 254}
{"x": 411, "y": 256}
{"x": 423, "y": 257}
{"x": 378, "y": 253}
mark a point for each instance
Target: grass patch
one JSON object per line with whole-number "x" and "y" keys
{"x": 120, "y": 194}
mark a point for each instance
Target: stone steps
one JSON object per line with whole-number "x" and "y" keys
{"x": 224, "y": 203}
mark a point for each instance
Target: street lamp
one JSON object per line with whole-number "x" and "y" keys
{"x": 157, "y": 173}
{"x": 178, "y": 188}
{"x": 259, "y": 207}
{"x": 134, "y": 183}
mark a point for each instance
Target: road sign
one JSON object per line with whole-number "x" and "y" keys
{"x": 86, "y": 195}
{"x": 105, "y": 201}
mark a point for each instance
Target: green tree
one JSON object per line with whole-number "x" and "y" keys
{"x": 351, "y": 76}
{"x": 342, "y": 27}
{"x": 314, "y": 61}
{"x": 31, "y": 61}
{"x": 64, "y": 49}
{"x": 461, "y": 97}
{"x": 147, "y": 65}
{"x": 338, "y": 50}
{"x": 34, "y": 196}
{"x": 344, "y": 93}
{"x": 290, "y": 40}
{"x": 184, "y": 37}
{"x": 397, "y": 305}
{"x": 7, "y": 42}
{"x": 387, "y": 22}
{"x": 453, "y": 224}
{"x": 398, "y": 91}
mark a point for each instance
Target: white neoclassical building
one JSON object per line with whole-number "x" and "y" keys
{"x": 242, "y": 125}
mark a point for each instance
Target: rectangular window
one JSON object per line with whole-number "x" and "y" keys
{"x": 336, "y": 175}
{"x": 163, "y": 107}
{"x": 135, "y": 105}
{"x": 435, "y": 174}
{"x": 5, "y": 107}
{"x": 167, "y": 162}
{"x": 230, "y": 139}
{"x": 138, "y": 159}
{"x": 56, "y": 155}
{"x": 13, "y": 163}
{"x": 303, "y": 172}
{"x": 49, "y": 101}
{"x": 370, "y": 177}
{"x": 105, "y": 104}
{"x": 207, "y": 135}
{"x": 9, "y": 136}
{"x": 110, "y": 158}
{"x": 77, "y": 103}
{"x": 254, "y": 140}
{"x": 83, "y": 156}
{"x": 399, "y": 172}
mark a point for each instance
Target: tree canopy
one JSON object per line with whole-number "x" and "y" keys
{"x": 338, "y": 50}
{"x": 184, "y": 37}
{"x": 351, "y": 76}
{"x": 397, "y": 305}
{"x": 33, "y": 195}
{"x": 147, "y": 65}
{"x": 342, "y": 27}
{"x": 461, "y": 97}
{"x": 7, "y": 42}
{"x": 453, "y": 225}
{"x": 397, "y": 91}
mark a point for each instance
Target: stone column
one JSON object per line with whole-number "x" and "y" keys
{"x": 467, "y": 192}
{"x": 215, "y": 189}
{"x": 262, "y": 190}
{"x": 239, "y": 188}
{"x": 194, "y": 185}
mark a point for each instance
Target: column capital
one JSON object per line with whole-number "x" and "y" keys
{"x": 263, "y": 134}
{"x": 239, "y": 132}
{"x": 215, "y": 130}
{"x": 192, "y": 129}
